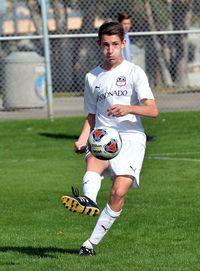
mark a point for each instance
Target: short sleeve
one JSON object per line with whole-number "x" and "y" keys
{"x": 89, "y": 97}
{"x": 142, "y": 87}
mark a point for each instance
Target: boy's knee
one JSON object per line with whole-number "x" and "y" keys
{"x": 117, "y": 194}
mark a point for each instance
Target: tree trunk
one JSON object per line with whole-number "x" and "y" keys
{"x": 86, "y": 50}
{"x": 167, "y": 80}
{"x": 88, "y": 14}
{"x": 35, "y": 13}
{"x": 181, "y": 12}
{"x": 59, "y": 9}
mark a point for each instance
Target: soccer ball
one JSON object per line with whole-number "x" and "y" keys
{"x": 104, "y": 143}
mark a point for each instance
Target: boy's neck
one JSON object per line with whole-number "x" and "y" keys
{"x": 107, "y": 66}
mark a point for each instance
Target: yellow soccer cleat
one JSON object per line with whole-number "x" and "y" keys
{"x": 81, "y": 205}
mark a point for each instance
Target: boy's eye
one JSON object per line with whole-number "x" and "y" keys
{"x": 115, "y": 45}
{"x": 106, "y": 45}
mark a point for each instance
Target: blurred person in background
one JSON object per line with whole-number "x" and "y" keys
{"x": 124, "y": 18}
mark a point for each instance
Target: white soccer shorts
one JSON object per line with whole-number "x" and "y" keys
{"x": 130, "y": 159}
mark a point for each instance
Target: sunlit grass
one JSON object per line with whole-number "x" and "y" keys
{"x": 158, "y": 228}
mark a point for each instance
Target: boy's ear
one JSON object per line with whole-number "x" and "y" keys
{"x": 98, "y": 42}
{"x": 123, "y": 43}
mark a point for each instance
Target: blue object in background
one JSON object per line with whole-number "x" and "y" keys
{"x": 40, "y": 88}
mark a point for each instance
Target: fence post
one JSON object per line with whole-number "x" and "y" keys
{"x": 47, "y": 60}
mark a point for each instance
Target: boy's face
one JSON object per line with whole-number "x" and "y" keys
{"x": 126, "y": 24}
{"x": 111, "y": 47}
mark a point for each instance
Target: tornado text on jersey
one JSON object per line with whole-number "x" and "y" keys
{"x": 105, "y": 95}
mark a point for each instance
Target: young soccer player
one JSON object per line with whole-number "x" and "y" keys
{"x": 117, "y": 94}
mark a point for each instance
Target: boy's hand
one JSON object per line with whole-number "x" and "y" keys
{"x": 118, "y": 110}
{"x": 79, "y": 147}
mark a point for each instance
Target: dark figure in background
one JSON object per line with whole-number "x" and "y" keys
{"x": 125, "y": 20}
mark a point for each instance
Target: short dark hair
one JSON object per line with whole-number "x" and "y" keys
{"x": 111, "y": 28}
{"x": 123, "y": 16}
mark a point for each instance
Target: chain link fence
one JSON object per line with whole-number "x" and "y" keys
{"x": 165, "y": 37}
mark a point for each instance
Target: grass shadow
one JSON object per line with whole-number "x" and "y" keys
{"x": 59, "y": 136}
{"x": 42, "y": 252}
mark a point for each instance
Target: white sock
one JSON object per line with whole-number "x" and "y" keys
{"x": 91, "y": 184}
{"x": 87, "y": 244}
{"x": 104, "y": 223}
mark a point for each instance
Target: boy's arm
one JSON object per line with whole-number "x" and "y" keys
{"x": 148, "y": 108}
{"x": 81, "y": 144}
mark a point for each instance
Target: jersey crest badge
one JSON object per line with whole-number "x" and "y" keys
{"x": 121, "y": 81}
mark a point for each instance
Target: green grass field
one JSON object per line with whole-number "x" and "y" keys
{"x": 159, "y": 228}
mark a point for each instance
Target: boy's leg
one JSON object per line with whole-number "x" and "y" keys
{"x": 91, "y": 184}
{"x": 119, "y": 190}
{"x": 104, "y": 223}
{"x": 85, "y": 204}
{"x": 108, "y": 215}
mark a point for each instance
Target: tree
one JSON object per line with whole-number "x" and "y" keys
{"x": 60, "y": 15}
{"x": 181, "y": 13}
{"x": 35, "y": 15}
{"x": 161, "y": 59}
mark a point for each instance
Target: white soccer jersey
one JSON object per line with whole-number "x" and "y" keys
{"x": 126, "y": 84}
